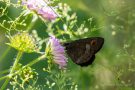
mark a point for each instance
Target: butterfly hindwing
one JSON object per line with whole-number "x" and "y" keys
{"x": 90, "y": 61}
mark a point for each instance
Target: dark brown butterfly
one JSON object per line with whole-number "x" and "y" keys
{"x": 83, "y": 51}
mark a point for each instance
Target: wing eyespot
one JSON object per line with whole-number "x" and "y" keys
{"x": 93, "y": 42}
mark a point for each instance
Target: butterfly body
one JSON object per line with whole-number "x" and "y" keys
{"x": 83, "y": 51}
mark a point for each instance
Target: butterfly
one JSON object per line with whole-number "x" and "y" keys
{"x": 82, "y": 51}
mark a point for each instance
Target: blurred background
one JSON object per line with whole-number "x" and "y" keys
{"x": 114, "y": 66}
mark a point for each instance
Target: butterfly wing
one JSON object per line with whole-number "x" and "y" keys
{"x": 82, "y": 51}
{"x": 74, "y": 50}
{"x": 90, "y": 61}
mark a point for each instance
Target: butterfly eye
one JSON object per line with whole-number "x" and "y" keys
{"x": 93, "y": 42}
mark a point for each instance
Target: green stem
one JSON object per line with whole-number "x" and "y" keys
{"x": 33, "y": 22}
{"x": 4, "y": 27}
{"x": 16, "y": 20}
{"x": 3, "y": 77}
{"x": 16, "y": 61}
{"x": 35, "y": 61}
{"x": 5, "y": 71}
{"x": 28, "y": 65}
{"x": 12, "y": 70}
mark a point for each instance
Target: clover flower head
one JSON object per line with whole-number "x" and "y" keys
{"x": 24, "y": 42}
{"x": 41, "y": 8}
{"x": 58, "y": 52}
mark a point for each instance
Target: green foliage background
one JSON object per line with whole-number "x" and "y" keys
{"x": 114, "y": 66}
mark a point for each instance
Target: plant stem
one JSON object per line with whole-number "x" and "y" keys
{"x": 28, "y": 65}
{"x": 35, "y": 61}
{"x": 12, "y": 70}
{"x": 5, "y": 71}
{"x": 3, "y": 77}
{"x": 32, "y": 22}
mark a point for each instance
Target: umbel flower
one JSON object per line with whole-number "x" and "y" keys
{"x": 41, "y": 8}
{"x": 58, "y": 52}
{"x": 23, "y": 42}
